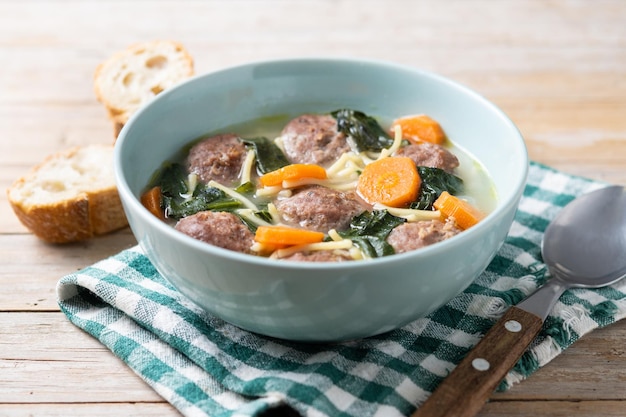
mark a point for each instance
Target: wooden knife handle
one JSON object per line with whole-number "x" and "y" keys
{"x": 464, "y": 392}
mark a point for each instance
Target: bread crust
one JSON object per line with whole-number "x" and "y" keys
{"x": 58, "y": 218}
{"x": 130, "y": 78}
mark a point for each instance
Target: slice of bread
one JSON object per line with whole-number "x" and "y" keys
{"x": 70, "y": 196}
{"x": 132, "y": 77}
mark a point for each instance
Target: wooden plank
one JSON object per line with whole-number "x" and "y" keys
{"x": 344, "y": 28}
{"x": 31, "y": 268}
{"x": 44, "y": 358}
{"x": 572, "y": 408}
{"x": 593, "y": 368}
{"x": 345, "y": 31}
{"x": 103, "y": 409}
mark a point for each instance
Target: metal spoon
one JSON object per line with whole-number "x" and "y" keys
{"x": 584, "y": 246}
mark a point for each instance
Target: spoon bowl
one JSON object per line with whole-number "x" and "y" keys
{"x": 584, "y": 246}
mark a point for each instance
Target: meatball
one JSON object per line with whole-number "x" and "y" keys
{"x": 217, "y": 158}
{"x": 218, "y": 228}
{"x": 320, "y": 256}
{"x": 430, "y": 155}
{"x": 411, "y": 236}
{"x": 320, "y": 208}
{"x": 313, "y": 139}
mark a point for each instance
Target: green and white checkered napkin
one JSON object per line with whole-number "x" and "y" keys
{"x": 206, "y": 367}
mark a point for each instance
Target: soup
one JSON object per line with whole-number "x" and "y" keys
{"x": 341, "y": 186}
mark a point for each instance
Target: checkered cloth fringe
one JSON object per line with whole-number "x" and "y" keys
{"x": 206, "y": 367}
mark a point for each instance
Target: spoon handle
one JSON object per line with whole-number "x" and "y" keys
{"x": 464, "y": 392}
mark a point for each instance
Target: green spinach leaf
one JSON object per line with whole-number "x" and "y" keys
{"x": 269, "y": 157}
{"x": 173, "y": 180}
{"x": 203, "y": 198}
{"x": 367, "y": 134}
{"x": 175, "y": 189}
{"x": 369, "y": 230}
{"x": 247, "y": 188}
{"x": 434, "y": 182}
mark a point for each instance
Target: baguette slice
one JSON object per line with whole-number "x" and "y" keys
{"x": 132, "y": 77}
{"x": 70, "y": 196}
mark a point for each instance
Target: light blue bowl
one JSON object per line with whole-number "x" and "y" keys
{"x": 326, "y": 301}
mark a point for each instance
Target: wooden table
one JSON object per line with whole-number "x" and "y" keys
{"x": 558, "y": 68}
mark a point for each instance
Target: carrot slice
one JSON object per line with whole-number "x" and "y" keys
{"x": 464, "y": 214}
{"x": 151, "y": 200}
{"x": 293, "y": 172}
{"x": 392, "y": 181}
{"x": 286, "y": 236}
{"x": 420, "y": 128}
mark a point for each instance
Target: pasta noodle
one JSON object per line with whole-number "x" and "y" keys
{"x": 246, "y": 168}
{"x": 248, "y": 214}
{"x": 411, "y": 215}
{"x": 334, "y": 245}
